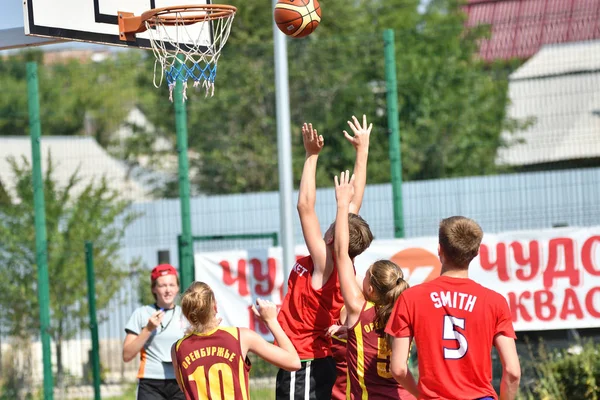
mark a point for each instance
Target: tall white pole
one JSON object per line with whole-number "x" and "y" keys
{"x": 284, "y": 152}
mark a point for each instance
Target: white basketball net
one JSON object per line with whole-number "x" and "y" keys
{"x": 183, "y": 51}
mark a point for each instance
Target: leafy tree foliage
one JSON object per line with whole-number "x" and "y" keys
{"x": 452, "y": 104}
{"x": 74, "y": 213}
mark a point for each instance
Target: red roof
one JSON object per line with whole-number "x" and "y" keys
{"x": 520, "y": 27}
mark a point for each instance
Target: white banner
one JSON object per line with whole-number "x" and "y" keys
{"x": 550, "y": 278}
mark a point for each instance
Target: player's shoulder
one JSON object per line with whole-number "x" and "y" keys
{"x": 305, "y": 261}
{"x": 413, "y": 293}
{"x": 492, "y": 296}
{"x": 303, "y": 266}
{"x": 232, "y": 331}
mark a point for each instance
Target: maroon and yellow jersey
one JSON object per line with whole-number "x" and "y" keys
{"x": 338, "y": 348}
{"x": 368, "y": 357}
{"x": 306, "y": 313}
{"x": 211, "y": 365}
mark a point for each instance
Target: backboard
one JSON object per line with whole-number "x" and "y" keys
{"x": 93, "y": 21}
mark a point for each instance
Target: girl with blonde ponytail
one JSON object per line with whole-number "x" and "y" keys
{"x": 211, "y": 361}
{"x": 368, "y": 310}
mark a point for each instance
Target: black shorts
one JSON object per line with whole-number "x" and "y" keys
{"x": 159, "y": 389}
{"x": 313, "y": 381}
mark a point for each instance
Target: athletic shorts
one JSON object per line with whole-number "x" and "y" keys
{"x": 159, "y": 389}
{"x": 313, "y": 381}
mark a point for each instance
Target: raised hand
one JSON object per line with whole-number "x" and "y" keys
{"x": 155, "y": 320}
{"x": 313, "y": 142}
{"x": 265, "y": 310}
{"x": 344, "y": 188}
{"x": 360, "y": 140}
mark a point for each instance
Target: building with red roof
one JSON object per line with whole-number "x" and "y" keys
{"x": 519, "y": 28}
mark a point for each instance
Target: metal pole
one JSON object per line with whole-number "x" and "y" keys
{"x": 41, "y": 249}
{"x": 284, "y": 151}
{"x": 187, "y": 257}
{"x": 394, "y": 131}
{"x": 91, "y": 281}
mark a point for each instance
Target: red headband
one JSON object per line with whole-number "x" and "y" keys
{"x": 162, "y": 270}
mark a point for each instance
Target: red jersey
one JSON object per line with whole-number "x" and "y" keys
{"x": 368, "y": 357}
{"x": 211, "y": 366}
{"x": 307, "y": 313}
{"x": 338, "y": 348}
{"x": 454, "y": 322}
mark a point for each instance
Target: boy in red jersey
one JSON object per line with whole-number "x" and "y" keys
{"x": 313, "y": 300}
{"x": 455, "y": 322}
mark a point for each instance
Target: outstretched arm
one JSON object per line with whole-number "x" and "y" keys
{"x": 351, "y": 292}
{"x": 313, "y": 143}
{"x": 399, "y": 365}
{"x": 282, "y": 356}
{"x": 360, "y": 141}
{"x": 511, "y": 368}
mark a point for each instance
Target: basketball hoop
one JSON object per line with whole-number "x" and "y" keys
{"x": 186, "y": 41}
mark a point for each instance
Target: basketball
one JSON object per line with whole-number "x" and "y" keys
{"x": 297, "y": 18}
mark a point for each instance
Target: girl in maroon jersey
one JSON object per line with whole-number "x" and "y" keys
{"x": 210, "y": 361}
{"x": 368, "y": 310}
{"x": 339, "y": 335}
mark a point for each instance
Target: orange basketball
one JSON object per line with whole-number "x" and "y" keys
{"x": 297, "y": 18}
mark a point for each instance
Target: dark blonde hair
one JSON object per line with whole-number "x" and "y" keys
{"x": 197, "y": 305}
{"x": 359, "y": 235}
{"x": 460, "y": 239}
{"x": 388, "y": 283}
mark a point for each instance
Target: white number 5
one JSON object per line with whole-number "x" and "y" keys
{"x": 452, "y": 334}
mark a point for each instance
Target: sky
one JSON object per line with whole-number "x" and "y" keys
{"x": 12, "y": 14}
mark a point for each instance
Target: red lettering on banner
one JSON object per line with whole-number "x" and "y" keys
{"x": 517, "y": 308}
{"x": 551, "y": 273}
{"x": 499, "y": 263}
{"x": 571, "y": 305}
{"x": 587, "y": 255}
{"x": 593, "y": 307}
{"x": 545, "y": 306}
{"x": 533, "y": 261}
{"x": 260, "y": 276}
{"x": 240, "y": 277}
{"x": 543, "y": 299}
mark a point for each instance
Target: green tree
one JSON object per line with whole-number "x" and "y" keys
{"x": 452, "y": 104}
{"x": 76, "y": 98}
{"x": 77, "y": 212}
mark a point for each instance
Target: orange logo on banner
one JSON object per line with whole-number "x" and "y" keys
{"x": 414, "y": 258}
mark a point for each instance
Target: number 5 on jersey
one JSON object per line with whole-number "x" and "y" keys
{"x": 450, "y": 333}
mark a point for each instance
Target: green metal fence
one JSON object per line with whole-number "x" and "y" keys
{"x": 513, "y": 143}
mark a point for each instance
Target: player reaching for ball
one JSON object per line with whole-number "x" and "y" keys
{"x": 368, "y": 310}
{"x": 313, "y": 300}
{"x": 455, "y": 322}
